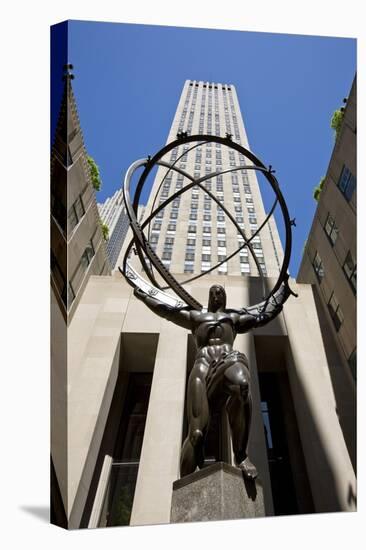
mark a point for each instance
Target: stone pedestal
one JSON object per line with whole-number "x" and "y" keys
{"x": 217, "y": 492}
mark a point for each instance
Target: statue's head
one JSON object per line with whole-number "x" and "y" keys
{"x": 216, "y": 298}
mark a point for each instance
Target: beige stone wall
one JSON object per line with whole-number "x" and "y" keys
{"x": 59, "y": 397}
{"x": 329, "y": 467}
{"x": 93, "y": 362}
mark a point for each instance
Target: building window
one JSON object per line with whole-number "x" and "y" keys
{"x": 75, "y": 213}
{"x": 82, "y": 267}
{"x": 347, "y": 183}
{"x": 318, "y": 267}
{"x": 244, "y": 259}
{"x": 206, "y": 257}
{"x": 59, "y": 277}
{"x": 335, "y": 312}
{"x": 188, "y": 267}
{"x": 350, "y": 270}
{"x": 331, "y": 229}
{"x": 167, "y": 255}
{"x": 192, "y": 229}
{"x": 87, "y": 256}
{"x": 245, "y": 269}
{"x": 70, "y": 295}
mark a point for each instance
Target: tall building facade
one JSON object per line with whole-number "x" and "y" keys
{"x": 113, "y": 213}
{"x": 77, "y": 247}
{"x": 77, "y": 252}
{"x": 127, "y": 368}
{"x": 329, "y": 263}
{"x": 193, "y": 234}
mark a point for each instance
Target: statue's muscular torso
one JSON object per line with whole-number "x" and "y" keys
{"x": 214, "y": 334}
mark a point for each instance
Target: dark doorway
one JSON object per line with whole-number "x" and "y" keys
{"x": 283, "y": 490}
{"x": 118, "y": 501}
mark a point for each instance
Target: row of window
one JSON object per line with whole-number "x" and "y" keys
{"x": 334, "y": 308}
{"x": 68, "y": 291}
{"x": 349, "y": 266}
{"x": 222, "y": 269}
{"x": 211, "y": 86}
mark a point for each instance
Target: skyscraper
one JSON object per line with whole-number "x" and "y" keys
{"x": 113, "y": 213}
{"x": 193, "y": 234}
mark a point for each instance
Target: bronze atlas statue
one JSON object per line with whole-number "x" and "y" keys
{"x": 220, "y": 375}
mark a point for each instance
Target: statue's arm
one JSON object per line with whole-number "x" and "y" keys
{"x": 179, "y": 316}
{"x": 261, "y": 314}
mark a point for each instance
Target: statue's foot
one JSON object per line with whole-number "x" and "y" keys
{"x": 250, "y": 471}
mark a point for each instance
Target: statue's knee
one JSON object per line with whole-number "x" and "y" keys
{"x": 196, "y": 437}
{"x": 238, "y": 379}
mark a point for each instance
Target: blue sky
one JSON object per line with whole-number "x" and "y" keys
{"x": 128, "y": 79}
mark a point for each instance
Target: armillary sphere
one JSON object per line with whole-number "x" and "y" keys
{"x": 141, "y": 232}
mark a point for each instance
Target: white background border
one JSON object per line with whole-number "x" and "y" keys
{"x": 25, "y": 271}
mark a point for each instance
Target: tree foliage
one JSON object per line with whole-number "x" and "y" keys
{"x": 318, "y": 189}
{"x": 105, "y": 230}
{"x": 94, "y": 174}
{"x": 336, "y": 121}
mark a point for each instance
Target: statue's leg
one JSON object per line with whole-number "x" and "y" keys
{"x": 239, "y": 410}
{"x": 198, "y": 418}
